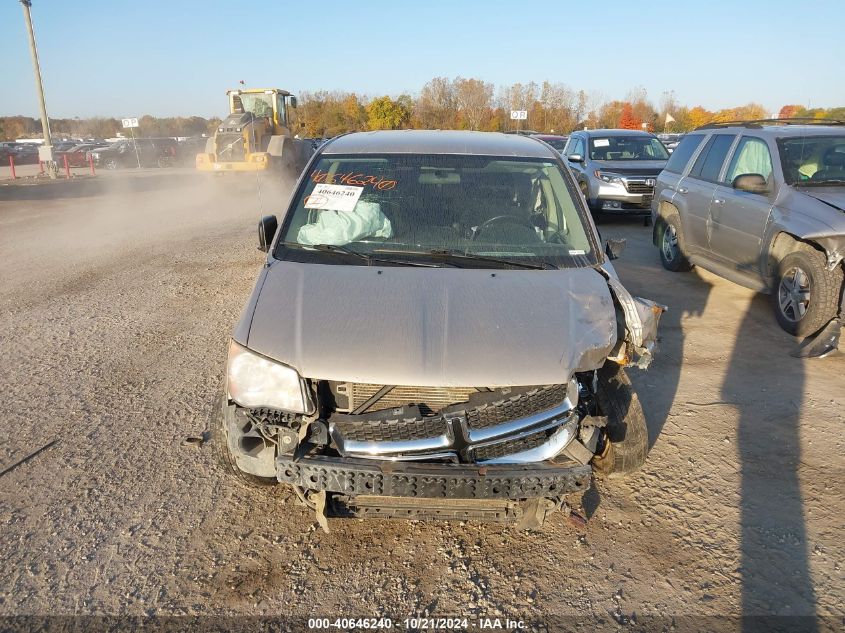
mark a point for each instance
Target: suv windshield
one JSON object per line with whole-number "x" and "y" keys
{"x": 420, "y": 207}
{"x": 812, "y": 158}
{"x": 627, "y": 148}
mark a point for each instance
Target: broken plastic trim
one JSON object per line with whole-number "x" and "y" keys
{"x": 822, "y": 344}
{"x": 641, "y": 319}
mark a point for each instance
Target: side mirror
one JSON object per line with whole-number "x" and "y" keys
{"x": 575, "y": 158}
{"x": 293, "y": 102}
{"x": 615, "y": 247}
{"x": 266, "y": 230}
{"x": 753, "y": 183}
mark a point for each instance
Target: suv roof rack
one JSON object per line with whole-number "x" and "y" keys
{"x": 757, "y": 123}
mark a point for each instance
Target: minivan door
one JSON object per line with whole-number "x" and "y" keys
{"x": 738, "y": 218}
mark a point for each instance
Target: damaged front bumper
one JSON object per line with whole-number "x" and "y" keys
{"x": 353, "y": 477}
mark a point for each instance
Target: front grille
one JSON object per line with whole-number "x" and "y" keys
{"x": 390, "y": 430}
{"x": 509, "y": 447}
{"x": 516, "y": 407}
{"x": 639, "y": 187}
{"x": 429, "y": 399}
{"x": 229, "y": 146}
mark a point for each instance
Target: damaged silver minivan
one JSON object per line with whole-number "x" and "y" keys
{"x": 436, "y": 333}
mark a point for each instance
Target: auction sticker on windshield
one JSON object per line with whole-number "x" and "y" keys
{"x": 334, "y": 197}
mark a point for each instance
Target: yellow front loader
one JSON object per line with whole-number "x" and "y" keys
{"x": 256, "y": 135}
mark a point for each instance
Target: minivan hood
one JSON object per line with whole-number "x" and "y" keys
{"x": 834, "y": 196}
{"x": 432, "y": 326}
{"x": 630, "y": 167}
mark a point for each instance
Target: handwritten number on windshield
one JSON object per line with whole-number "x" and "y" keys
{"x": 351, "y": 178}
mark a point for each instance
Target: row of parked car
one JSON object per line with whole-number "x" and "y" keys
{"x": 146, "y": 152}
{"x": 760, "y": 203}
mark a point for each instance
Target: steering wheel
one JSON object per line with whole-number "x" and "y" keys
{"x": 502, "y": 219}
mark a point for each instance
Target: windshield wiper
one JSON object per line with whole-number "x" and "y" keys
{"x": 819, "y": 183}
{"x": 332, "y": 248}
{"x": 450, "y": 254}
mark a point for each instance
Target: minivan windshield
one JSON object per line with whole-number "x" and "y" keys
{"x": 813, "y": 159}
{"x": 457, "y": 210}
{"x": 627, "y": 148}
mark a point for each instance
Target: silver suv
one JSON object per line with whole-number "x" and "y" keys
{"x": 760, "y": 203}
{"x": 616, "y": 169}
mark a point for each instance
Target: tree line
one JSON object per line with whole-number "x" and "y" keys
{"x": 444, "y": 103}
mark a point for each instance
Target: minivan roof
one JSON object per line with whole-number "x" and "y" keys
{"x": 438, "y": 142}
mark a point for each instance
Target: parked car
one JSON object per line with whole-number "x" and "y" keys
{"x": 151, "y": 152}
{"x": 25, "y": 153}
{"x": 670, "y": 141}
{"x": 437, "y": 332}
{"x": 77, "y": 155}
{"x": 558, "y": 142}
{"x": 616, "y": 169}
{"x": 760, "y": 204}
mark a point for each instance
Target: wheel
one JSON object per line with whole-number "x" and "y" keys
{"x": 672, "y": 245}
{"x": 626, "y": 434}
{"x": 110, "y": 163}
{"x": 220, "y": 441}
{"x": 806, "y": 294}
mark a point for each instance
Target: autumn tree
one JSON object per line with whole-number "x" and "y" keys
{"x": 789, "y": 111}
{"x": 473, "y": 99}
{"x": 609, "y": 114}
{"x": 698, "y": 116}
{"x": 386, "y": 114}
{"x": 560, "y": 112}
{"x": 627, "y": 119}
{"x": 436, "y": 106}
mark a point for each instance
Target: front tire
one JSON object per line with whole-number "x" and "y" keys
{"x": 110, "y": 164}
{"x": 672, "y": 245}
{"x": 220, "y": 442}
{"x": 806, "y": 294}
{"x": 626, "y": 434}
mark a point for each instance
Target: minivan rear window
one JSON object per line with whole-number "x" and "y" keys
{"x": 683, "y": 152}
{"x": 709, "y": 162}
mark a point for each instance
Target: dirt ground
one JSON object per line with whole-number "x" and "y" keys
{"x": 116, "y": 301}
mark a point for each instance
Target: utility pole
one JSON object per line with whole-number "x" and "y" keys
{"x": 47, "y": 155}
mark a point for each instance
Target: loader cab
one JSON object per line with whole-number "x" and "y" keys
{"x": 271, "y": 104}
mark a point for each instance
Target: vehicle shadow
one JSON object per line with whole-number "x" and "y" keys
{"x": 684, "y": 294}
{"x": 774, "y": 569}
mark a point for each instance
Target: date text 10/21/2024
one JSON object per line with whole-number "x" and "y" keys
{"x": 418, "y": 624}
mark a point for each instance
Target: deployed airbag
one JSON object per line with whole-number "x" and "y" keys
{"x": 338, "y": 228}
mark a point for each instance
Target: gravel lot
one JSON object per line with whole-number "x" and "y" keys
{"x": 118, "y": 296}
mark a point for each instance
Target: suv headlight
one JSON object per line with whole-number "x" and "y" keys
{"x": 256, "y": 381}
{"x": 613, "y": 179}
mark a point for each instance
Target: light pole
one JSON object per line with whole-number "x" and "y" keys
{"x": 47, "y": 154}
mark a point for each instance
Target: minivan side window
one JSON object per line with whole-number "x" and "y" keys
{"x": 752, "y": 156}
{"x": 709, "y": 162}
{"x": 577, "y": 147}
{"x": 683, "y": 152}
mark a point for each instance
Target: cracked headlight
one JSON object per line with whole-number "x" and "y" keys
{"x": 613, "y": 179}
{"x": 256, "y": 381}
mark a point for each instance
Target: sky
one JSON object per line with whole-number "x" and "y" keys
{"x": 178, "y": 57}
